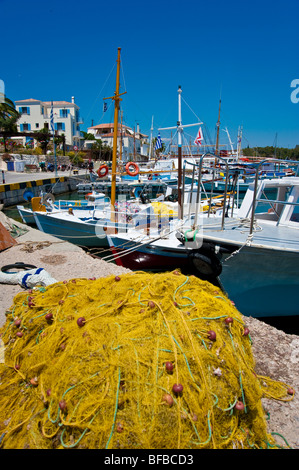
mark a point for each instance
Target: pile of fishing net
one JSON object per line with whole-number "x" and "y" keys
{"x": 141, "y": 360}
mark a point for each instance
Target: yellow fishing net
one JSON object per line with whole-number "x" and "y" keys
{"x": 143, "y": 360}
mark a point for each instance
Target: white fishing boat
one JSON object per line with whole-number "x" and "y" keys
{"x": 81, "y": 227}
{"x": 46, "y": 203}
{"x": 253, "y": 253}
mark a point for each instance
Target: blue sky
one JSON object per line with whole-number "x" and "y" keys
{"x": 245, "y": 52}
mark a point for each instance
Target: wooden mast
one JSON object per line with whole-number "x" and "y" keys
{"x": 116, "y": 99}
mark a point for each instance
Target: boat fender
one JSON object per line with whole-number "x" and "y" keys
{"x": 28, "y": 195}
{"x": 137, "y": 192}
{"x": 207, "y": 264}
{"x": 28, "y": 278}
{"x": 102, "y": 171}
{"x": 130, "y": 171}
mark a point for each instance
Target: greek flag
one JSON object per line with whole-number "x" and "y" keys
{"x": 158, "y": 142}
{"x": 52, "y": 118}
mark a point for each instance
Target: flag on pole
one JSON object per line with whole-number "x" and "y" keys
{"x": 105, "y": 107}
{"x": 52, "y": 118}
{"x": 158, "y": 142}
{"x": 199, "y": 137}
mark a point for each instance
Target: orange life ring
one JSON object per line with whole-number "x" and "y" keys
{"x": 102, "y": 171}
{"x": 129, "y": 165}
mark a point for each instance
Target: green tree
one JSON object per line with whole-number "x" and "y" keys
{"x": 87, "y": 136}
{"x": 100, "y": 151}
{"x": 8, "y": 119}
{"x": 272, "y": 152}
{"x": 43, "y": 136}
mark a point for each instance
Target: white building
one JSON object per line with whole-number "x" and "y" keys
{"x": 133, "y": 145}
{"x": 35, "y": 115}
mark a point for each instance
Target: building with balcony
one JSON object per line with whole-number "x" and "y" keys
{"x": 131, "y": 144}
{"x": 35, "y": 115}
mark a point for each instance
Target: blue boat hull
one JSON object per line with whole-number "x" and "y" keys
{"x": 89, "y": 235}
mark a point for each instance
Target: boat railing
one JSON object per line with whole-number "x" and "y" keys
{"x": 255, "y": 200}
{"x": 227, "y": 167}
{"x": 199, "y": 166}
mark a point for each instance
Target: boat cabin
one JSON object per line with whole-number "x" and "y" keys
{"x": 274, "y": 200}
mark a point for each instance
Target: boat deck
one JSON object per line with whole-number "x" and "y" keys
{"x": 265, "y": 234}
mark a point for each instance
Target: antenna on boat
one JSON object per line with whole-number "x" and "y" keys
{"x": 116, "y": 99}
{"x": 180, "y": 129}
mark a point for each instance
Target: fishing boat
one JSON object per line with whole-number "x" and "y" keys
{"x": 89, "y": 227}
{"x": 253, "y": 254}
{"x": 46, "y": 203}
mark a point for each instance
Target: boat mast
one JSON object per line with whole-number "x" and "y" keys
{"x": 218, "y": 128}
{"x": 117, "y": 100}
{"x": 180, "y": 130}
{"x": 239, "y": 142}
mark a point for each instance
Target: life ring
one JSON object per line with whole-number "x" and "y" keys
{"x": 129, "y": 165}
{"x": 102, "y": 171}
{"x": 150, "y": 177}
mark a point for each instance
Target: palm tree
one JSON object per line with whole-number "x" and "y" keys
{"x": 8, "y": 119}
{"x": 87, "y": 136}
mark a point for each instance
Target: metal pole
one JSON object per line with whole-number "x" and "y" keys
{"x": 179, "y": 154}
{"x": 55, "y": 159}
